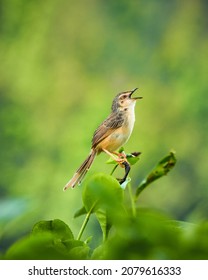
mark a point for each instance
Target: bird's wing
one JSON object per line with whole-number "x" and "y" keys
{"x": 114, "y": 121}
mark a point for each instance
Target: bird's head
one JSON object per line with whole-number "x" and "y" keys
{"x": 124, "y": 100}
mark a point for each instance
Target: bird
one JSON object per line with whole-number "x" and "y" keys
{"x": 112, "y": 133}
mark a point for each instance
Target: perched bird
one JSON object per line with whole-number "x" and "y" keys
{"x": 111, "y": 134}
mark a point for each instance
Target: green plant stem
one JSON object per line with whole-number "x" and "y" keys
{"x": 141, "y": 187}
{"x": 133, "y": 207}
{"x": 114, "y": 168}
{"x": 86, "y": 220}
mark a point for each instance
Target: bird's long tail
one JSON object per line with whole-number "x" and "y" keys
{"x": 81, "y": 172}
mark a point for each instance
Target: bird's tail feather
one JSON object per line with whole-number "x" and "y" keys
{"x": 81, "y": 172}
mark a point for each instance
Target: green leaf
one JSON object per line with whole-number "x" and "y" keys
{"x": 34, "y": 247}
{"x": 78, "y": 249}
{"x": 104, "y": 222}
{"x": 80, "y": 212}
{"x": 81, "y": 253}
{"x": 101, "y": 194}
{"x": 112, "y": 161}
{"x": 58, "y": 228}
{"x": 131, "y": 158}
{"x": 101, "y": 191}
{"x": 48, "y": 240}
{"x": 146, "y": 236}
{"x": 161, "y": 169}
{"x": 88, "y": 240}
{"x": 99, "y": 253}
{"x": 44, "y": 247}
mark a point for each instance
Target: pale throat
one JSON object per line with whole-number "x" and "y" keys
{"x": 130, "y": 116}
{"x": 129, "y": 121}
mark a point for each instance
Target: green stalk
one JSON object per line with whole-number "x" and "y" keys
{"x": 86, "y": 220}
{"x": 133, "y": 207}
{"x": 114, "y": 168}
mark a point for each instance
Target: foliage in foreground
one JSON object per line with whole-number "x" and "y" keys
{"x": 129, "y": 232}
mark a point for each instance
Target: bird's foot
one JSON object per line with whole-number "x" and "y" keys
{"x": 121, "y": 162}
{"x": 121, "y": 155}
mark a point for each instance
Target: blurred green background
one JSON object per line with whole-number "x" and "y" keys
{"x": 62, "y": 63}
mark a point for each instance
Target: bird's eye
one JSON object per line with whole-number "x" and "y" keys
{"x": 124, "y": 96}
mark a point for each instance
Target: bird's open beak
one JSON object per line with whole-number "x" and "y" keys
{"x": 135, "y": 98}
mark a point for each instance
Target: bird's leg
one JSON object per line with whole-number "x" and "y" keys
{"x": 119, "y": 160}
{"x": 120, "y": 155}
{"x": 122, "y": 161}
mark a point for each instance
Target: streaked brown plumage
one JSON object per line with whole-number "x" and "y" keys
{"x": 111, "y": 134}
